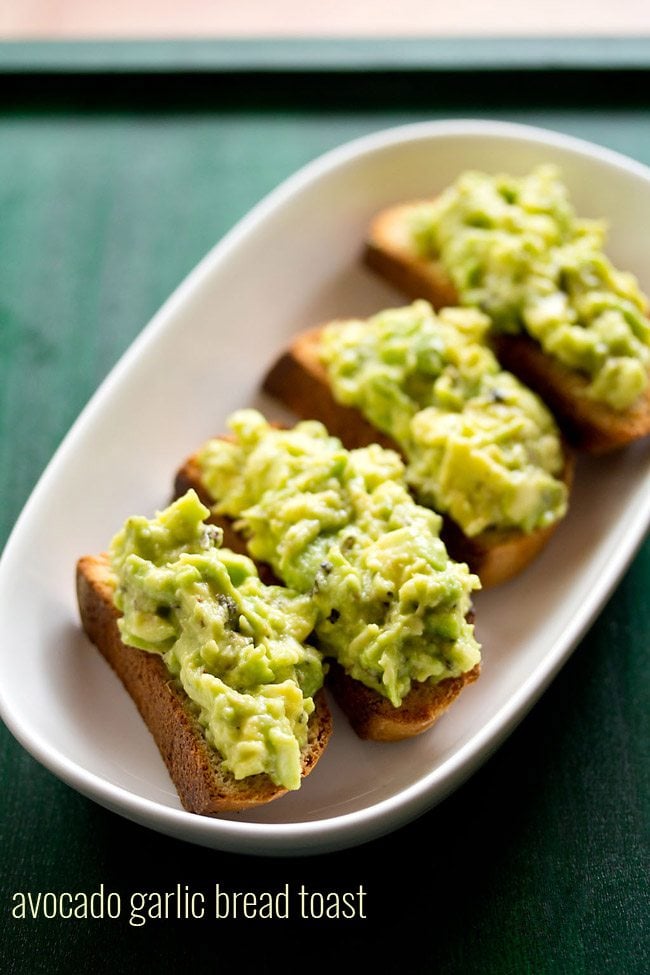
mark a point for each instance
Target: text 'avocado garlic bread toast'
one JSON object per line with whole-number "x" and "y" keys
{"x": 564, "y": 319}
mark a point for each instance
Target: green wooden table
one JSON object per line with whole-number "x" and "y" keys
{"x": 120, "y": 166}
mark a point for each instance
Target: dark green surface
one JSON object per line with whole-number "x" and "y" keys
{"x": 108, "y": 195}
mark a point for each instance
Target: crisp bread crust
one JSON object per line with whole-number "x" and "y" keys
{"x": 371, "y": 715}
{"x": 589, "y": 425}
{"x": 389, "y": 252}
{"x": 299, "y": 380}
{"x": 196, "y": 769}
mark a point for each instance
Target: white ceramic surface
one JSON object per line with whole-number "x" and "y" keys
{"x": 216, "y": 336}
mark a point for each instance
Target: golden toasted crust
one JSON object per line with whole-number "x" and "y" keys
{"x": 389, "y": 251}
{"x": 300, "y": 381}
{"x": 196, "y": 769}
{"x": 370, "y": 714}
{"x": 374, "y": 717}
{"x": 589, "y": 425}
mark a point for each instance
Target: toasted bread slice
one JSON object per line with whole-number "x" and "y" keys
{"x": 300, "y": 381}
{"x": 588, "y": 425}
{"x": 196, "y": 769}
{"x": 371, "y": 715}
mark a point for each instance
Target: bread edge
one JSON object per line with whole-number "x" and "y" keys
{"x": 374, "y": 718}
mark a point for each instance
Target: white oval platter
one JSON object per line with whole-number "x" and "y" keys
{"x": 293, "y": 262}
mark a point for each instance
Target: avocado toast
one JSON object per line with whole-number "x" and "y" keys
{"x": 479, "y": 447}
{"x": 393, "y": 610}
{"x": 215, "y": 660}
{"x": 565, "y": 320}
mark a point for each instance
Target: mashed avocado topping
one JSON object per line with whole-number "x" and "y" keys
{"x": 514, "y": 247}
{"x": 479, "y": 445}
{"x": 235, "y": 645}
{"x": 341, "y": 526}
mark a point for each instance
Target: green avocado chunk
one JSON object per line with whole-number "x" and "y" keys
{"x": 514, "y": 247}
{"x": 236, "y": 646}
{"x": 479, "y": 445}
{"x": 342, "y": 526}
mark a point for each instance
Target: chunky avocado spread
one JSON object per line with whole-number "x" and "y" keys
{"x": 479, "y": 445}
{"x": 341, "y": 526}
{"x": 514, "y": 247}
{"x": 235, "y": 645}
